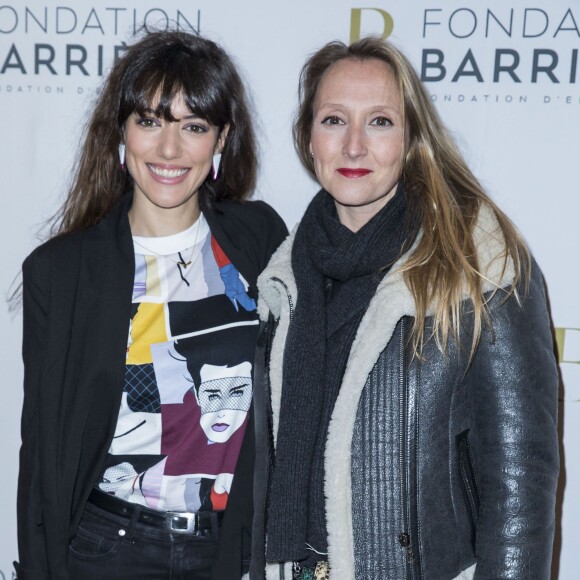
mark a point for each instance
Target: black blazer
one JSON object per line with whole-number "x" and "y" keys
{"x": 77, "y": 305}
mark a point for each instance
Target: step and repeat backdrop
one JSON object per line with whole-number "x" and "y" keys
{"x": 504, "y": 75}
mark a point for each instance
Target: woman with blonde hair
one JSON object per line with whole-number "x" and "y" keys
{"x": 126, "y": 470}
{"x": 411, "y": 385}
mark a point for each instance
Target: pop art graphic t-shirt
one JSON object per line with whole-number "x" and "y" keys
{"x": 188, "y": 379}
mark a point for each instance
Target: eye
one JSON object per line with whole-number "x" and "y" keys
{"x": 147, "y": 122}
{"x": 381, "y": 122}
{"x": 332, "y": 120}
{"x": 198, "y": 128}
{"x": 214, "y": 397}
{"x": 238, "y": 391}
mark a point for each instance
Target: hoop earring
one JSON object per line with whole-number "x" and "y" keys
{"x": 122, "y": 155}
{"x": 215, "y": 165}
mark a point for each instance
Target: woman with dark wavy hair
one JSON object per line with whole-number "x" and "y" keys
{"x": 155, "y": 248}
{"x": 412, "y": 383}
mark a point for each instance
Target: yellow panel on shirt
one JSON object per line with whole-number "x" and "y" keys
{"x": 147, "y": 328}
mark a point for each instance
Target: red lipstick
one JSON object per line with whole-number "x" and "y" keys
{"x": 346, "y": 172}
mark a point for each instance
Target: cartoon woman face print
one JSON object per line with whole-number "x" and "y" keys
{"x": 224, "y": 396}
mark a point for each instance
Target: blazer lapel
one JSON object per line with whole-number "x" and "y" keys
{"x": 99, "y": 341}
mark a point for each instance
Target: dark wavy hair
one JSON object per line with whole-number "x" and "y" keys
{"x": 155, "y": 70}
{"x": 209, "y": 350}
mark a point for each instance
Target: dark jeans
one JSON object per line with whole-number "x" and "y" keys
{"x": 111, "y": 547}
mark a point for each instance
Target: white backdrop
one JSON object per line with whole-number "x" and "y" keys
{"x": 504, "y": 74}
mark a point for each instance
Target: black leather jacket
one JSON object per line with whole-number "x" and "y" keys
{"x": 474, "y": 468}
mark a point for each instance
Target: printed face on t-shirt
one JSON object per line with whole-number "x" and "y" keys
{"x": 224, "y": 396}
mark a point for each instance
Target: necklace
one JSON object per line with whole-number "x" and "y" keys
{"x": 181, "y": 263}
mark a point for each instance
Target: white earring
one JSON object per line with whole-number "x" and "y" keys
{"x": 215, "y": 165}
{"x": 122, "y": 154}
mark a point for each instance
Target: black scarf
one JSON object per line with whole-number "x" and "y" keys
{"x": 337, "y": 272}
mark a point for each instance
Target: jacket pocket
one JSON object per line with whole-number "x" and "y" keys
{"x": 468, "y": 482}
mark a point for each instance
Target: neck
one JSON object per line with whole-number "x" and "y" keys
{"x": 149, "y": 220}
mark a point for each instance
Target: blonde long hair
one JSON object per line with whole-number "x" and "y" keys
{"x": 443, "y": 267}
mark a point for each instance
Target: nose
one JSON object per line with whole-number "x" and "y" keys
{"x": 169, "y": 146}
{"x": 355, "y": 142}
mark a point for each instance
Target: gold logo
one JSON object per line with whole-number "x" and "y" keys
{"x": 568, "y": 345}
{"x": 356, "y": 19}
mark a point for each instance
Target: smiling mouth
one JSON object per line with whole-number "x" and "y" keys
{"x": 346, "y": 172}
{"x": 219, "y": 427}
{"x": 167, "y": 173}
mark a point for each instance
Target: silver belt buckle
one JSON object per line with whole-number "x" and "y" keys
{"x": 181, "y": 522}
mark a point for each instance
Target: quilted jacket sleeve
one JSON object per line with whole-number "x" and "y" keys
{"x": 514, "y": 382}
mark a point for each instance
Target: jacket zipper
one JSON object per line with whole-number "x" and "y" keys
{"x": 404, "y": 537}
{"x": 469, "y": 482}
{"x": 288, "y": 295}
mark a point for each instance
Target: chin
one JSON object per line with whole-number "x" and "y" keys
{"x": 222, "y": 437}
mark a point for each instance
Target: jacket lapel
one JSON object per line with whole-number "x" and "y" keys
{"x": 98, "y": 349}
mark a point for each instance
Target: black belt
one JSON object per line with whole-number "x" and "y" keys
{"x": 194, "y": 523}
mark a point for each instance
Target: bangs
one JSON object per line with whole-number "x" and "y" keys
{"x": 171, "y": 74}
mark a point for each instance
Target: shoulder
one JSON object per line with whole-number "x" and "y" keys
{"x": 55, "y": 261}
{"x": 250, "y": 214}
{"x": 248, "y": 220}
{"x": 496, "y": 266}
{"x": 249, "y": 232}
{"x": 62, "y": 250}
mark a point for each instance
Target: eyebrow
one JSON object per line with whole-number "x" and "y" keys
{"x": 371, "y": 107}
{"x": 238, "y": 387}
{"x": 150, "y": 111}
